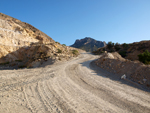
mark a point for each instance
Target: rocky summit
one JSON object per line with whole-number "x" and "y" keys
{"x": 22, "y": 45}
{"x": 88, "y": 44}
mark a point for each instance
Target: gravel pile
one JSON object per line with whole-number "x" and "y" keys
{"x": 134, "y": 70}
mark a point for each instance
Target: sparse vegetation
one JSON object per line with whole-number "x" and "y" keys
{"x": 75, "y": 52}
{"x": 104, "y": 49}
{"x": 123, "y": 53}
{"x": 59, "y": 51}
{"x": 145, "y": 57}
{"x": 111, "y": 50}
{"x": 4, "y": 63}
{"x": 28, "y": 67}
{"x": 117, "y": 46}
{"x": 64, "y": 44}
{"x": 22, "y": 66}
{"x": 18, "y": 60}
{"x": 110, "y": 45}
{"x": 125, "y": 45}
{"x": 57, "y": 42}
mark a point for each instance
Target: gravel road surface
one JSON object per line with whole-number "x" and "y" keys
{"x": 68, "y": 87}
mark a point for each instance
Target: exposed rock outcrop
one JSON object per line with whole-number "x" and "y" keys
{"x": 23, "y": 45}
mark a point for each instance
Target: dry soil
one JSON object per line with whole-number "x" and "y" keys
{"x": 68, "y": 87}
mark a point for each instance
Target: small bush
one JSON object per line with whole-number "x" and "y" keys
{"x": 22, "y": 66}
{"x": 104, "y": 49}
{"x": 117, "y": 46}
{"x": 28, "y": 67}
{"x": 59, "y": 51}
{"x": 123, "y": 53}
{"x": 110, "y": 45}
{"x": 75, "y": 52}
{"x": 57, "y": 42}
{"x": 4, "y": 63}
{"x": 125, "y": 45}
{"x": 144, "y": 57}
{"x": 64, "y": 44}
{"x": 18, "y": 60}
{"x": 111, "y": 50}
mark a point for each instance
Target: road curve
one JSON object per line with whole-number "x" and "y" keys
{"x": 68, "y": 87}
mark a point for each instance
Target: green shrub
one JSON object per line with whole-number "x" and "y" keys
{"x": 22, "y": 66}
{"x": 104, "y": 49}
{"x": 59, "y": 51}
{"x": 75, "y": 52}
{"x": 117, "y": 46}
{"x": 125, "y": 45}
{"x": 111, "y": 50}
{"x": 144, "y": 57}
{"x": 64, "y": 44}
{"x": 28, "y": 67}
{"x": 110, "y": 45}
{"x": 57, "y": 42}
{"x": 18, "y": 60}
{"x": 4, "y": 63}
{"x": 123, "y": 53}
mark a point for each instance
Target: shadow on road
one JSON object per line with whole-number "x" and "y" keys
{"x": 115, "y": 77}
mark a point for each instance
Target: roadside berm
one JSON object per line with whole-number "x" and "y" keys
{"x": 124, "y": 68}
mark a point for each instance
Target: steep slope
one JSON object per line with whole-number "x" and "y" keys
{"x": 22, "y": 44}
{"x": 88, "y": 44}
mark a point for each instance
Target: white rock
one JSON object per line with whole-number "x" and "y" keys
{"x": 110, "y": 56}
{"x": 144, "y": 80}
{"x": 123, "y": 76}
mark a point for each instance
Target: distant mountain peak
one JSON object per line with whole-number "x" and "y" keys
{"x": 89, "y": 44}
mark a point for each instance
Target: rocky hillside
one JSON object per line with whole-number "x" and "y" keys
{"x": 88, "y": 44}
{"x": 22, "y": 45}
{"x": 128, "y": 51}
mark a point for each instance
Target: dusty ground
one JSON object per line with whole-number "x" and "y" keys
{"x": 75, "y": 86}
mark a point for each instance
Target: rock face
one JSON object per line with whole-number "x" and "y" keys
{"x": 23, "y": 45}
{"x": 88, "y": 44}
{"x": 134, "y": 71}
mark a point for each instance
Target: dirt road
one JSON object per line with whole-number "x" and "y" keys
{"x": 68, "y": 87}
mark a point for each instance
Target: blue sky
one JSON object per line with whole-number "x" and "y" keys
{"x": 123, "y": 21}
